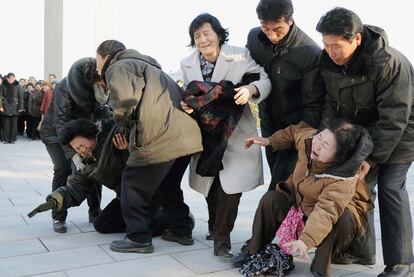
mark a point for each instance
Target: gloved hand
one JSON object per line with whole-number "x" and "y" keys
{"x": 50, "y": 203}
{"x": 78, "y": 162}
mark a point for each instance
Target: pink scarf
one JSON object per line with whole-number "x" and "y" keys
{"x": 291, "y": 227}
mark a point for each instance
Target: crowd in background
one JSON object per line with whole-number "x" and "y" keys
{"x": 24, "y": 102}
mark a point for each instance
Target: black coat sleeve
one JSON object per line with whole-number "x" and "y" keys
{"x": 394, "y": 103}
{"x": 313, "y": 91}
{"x": 21, "y": 99}
{"x": 76, "y": 190}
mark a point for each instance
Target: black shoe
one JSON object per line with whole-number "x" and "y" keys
{"x": 59, "y": 226}
{"x": 222, "y": 249}
{"x": 93, "y": 214}
{"x": 239, "y": 260}
{"x": 242, "y": 256}
{"x": 346, "y": 258}
{"x": 398, "y": 270}
{"x": 128, "y": 246}
{"x": 209, "y": 235}
{"x": 183, "y": 240}
{"x": 192, "y": 220}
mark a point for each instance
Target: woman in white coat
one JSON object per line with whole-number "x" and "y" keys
{"x": 213, "y": 61}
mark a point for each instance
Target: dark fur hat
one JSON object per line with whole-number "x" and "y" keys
{"x": 360, "y": 153}
{"x": 80, "y": 81}
{"x": 83, "y": 127}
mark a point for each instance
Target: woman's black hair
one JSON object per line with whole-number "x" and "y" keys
{"x": 79, "y": 127}
{"x": 203, "y": 18}
{"x": 346, "y": 135}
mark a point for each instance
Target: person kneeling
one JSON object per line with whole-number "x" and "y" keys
{"x": 103, "y": 153}
{"x": 327, "y": 186}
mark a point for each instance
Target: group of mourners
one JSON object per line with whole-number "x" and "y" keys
{"x": 22, "y": 106}
{"x": 335, "y": 122}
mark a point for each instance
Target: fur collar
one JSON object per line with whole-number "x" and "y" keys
{"x": 79, "y": 82}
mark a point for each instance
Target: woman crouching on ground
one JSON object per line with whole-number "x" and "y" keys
{"x": 327, "y": 185}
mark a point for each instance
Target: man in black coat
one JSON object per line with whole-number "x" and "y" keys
{"x": 371, "y": 84}
{"x": 11, "y": 104}
{"x": 290, "y": 59}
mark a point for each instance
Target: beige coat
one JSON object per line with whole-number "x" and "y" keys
{"x": 146, "y": 100}
{"x": 243, "y": 169}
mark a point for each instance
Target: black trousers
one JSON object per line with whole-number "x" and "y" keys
{"x": 31, "y": 128}
{"x": 110, "y": 220}
{"x": 272, "y": 210}
{"x": 1, "y": 128}
{"x": 9, "y": 127}
{"x": 22, "y": 123}
{"x": 395, "y": 216}
{"x": 141, "y": 187}
{"x": 282, "y": 162}
{"x": 222, "y": 211}
{"x": 61, "y": 171}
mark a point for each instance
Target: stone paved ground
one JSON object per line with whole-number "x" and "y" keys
{"x": 29, "y": 247}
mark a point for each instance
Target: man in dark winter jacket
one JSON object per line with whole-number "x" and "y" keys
{"x": 290, "y": 59}
{"x": 371, "y": 84}
{"x": 11, "y": 104}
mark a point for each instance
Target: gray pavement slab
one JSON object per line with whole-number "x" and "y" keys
{"x": 21, "y": 247}
{"x": 148, "y": 267}
{"x": 52, "y": 261}
{"x": 52, "y": 274}
{"x": 161, "y": 247}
